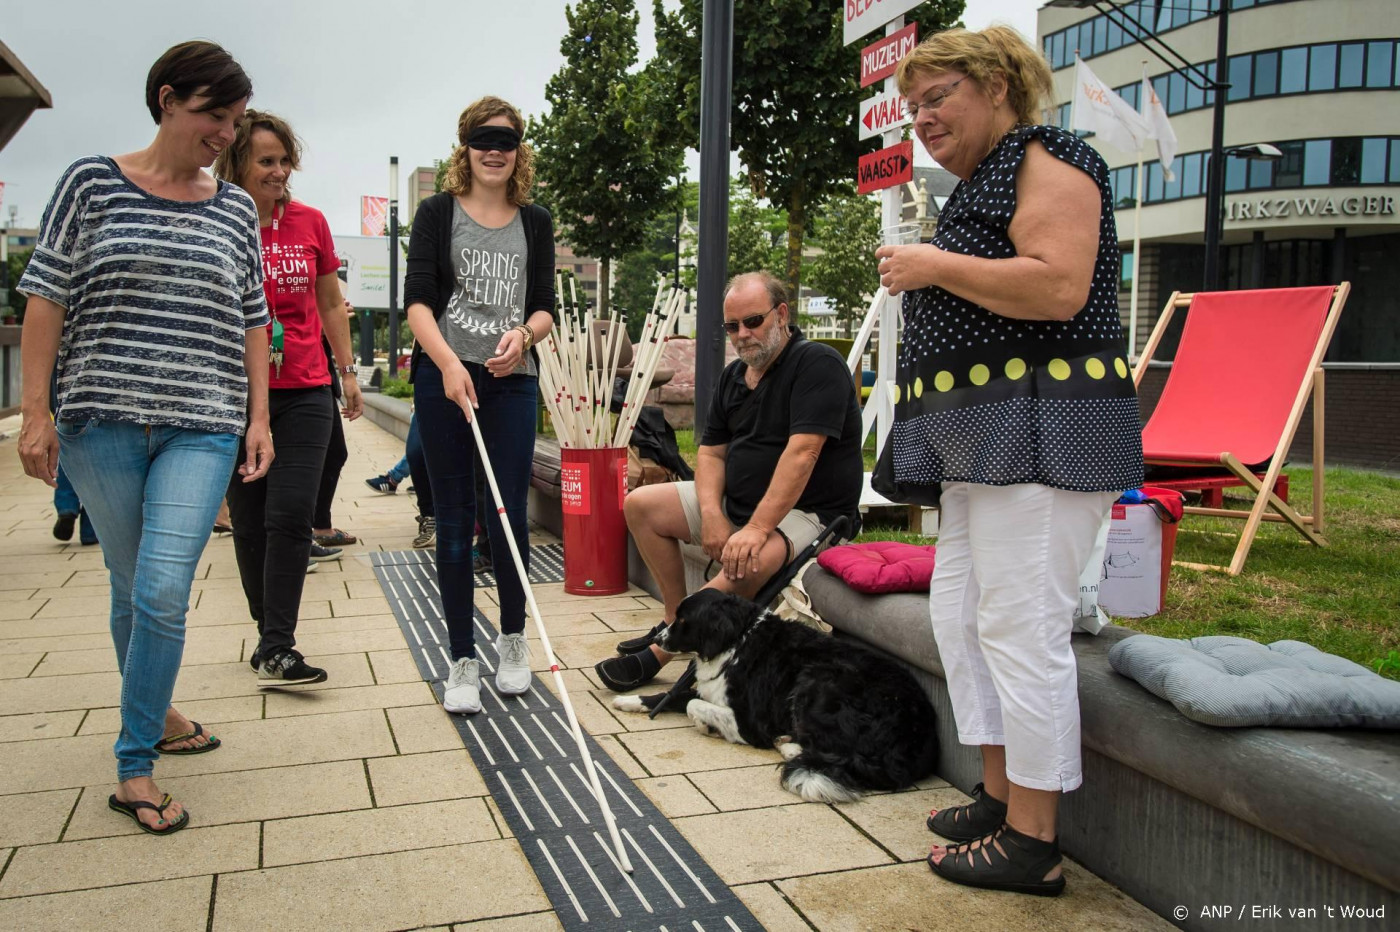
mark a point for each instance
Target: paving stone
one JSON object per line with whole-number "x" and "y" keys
{"x": 39, "y": 725}
{"x": 417, "y": 778}
{"x": 164, "y": 906}
{"x": 675, "y": 796}
{"x": 42, "y": 643}
{"x": 344, "y": 623}
{"x": 897, "y": 820}
{"x": 242, "y": 796}
{"x": 744, "y": 788}
{"x": 347, "y": 642}
{"x": 50, "y": 694}
{"x": 207, "y": 712}
{"x": 26, "y": 579}
{"x": 909, "y": 896}
{"x": 127, "y": 859}
{"x": 68, "y": 662}
{"x": 785, "y": 841}
{"x": 53, "y": 627}
{"x": 423, "y": 728}
{"x": 394, "y": 666}
{"x": 771, "y": 908}
{"x": 377, "y": 831}
{"x": 18, "y": 666}
{"x": 222, "y": 680}
{"x": 640, "y": 619}
{"x": 490, "y": 878}
{"x": 534, "y": 922}
{"x": 64, "y": 592}
{"x": 621, "y": 756}
{"x": 19, "y": 609}
{"x": 35, "y": 819}
{"x": 686, "y": 750}
{"x": 101, "y": 606}
{"x": 376, "y": 606}
{"x": 282, "y": 703}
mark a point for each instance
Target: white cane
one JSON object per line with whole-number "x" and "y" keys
{"x": 549, "y": 651}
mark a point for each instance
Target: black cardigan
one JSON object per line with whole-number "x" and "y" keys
{"x": 431, "y": 275}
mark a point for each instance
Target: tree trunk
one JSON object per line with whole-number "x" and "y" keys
{"x": 604, "y": 273}
{"x": 796, "y": 220}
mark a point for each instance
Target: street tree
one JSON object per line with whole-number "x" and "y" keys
{"x": 796, "y": 95}
{"x": 847, "y": 231}
{"x": 602, "y": 171}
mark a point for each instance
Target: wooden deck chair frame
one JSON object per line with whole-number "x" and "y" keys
{"x": 1267, "y": 505}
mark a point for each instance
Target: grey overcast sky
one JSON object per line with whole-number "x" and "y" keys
{"x": 358, "y": 80}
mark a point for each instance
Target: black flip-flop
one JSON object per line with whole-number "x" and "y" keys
{"x": 130, "y": 810}
{"x": 208, "y": 745}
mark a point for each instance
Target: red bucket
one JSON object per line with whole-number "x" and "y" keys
{"x": 592, "y": 484}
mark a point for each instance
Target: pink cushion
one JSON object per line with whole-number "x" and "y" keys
{"x": 880, "y": 566}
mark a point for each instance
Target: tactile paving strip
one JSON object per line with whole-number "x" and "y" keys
{"x": 528, "y": 757}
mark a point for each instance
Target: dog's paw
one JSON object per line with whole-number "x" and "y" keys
{"x": 788, "y": 749}
{"x": 706, "y": 729}
{"x": 629, "y": 703}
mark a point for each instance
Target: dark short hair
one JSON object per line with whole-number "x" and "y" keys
{"x": 197, "y": 67}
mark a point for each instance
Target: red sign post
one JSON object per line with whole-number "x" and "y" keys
{"x": 886, "y": 168}
{"x": 878, "y": 60}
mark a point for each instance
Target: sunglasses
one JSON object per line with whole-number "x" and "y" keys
{"x": 752, "y": 322}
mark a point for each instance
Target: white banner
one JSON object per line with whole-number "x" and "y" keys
{"x": 364, "y": 268}
{"x": 1159, "y": 127}
{"x": 863, "y": 16}
{"x": 1097, "y": 109}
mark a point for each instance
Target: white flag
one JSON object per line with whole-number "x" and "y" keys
{"x": 1160, "y": 127}
{"x": 1097, "y": 109}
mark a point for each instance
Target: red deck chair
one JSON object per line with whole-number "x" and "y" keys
{"x": 1247, "y": 364}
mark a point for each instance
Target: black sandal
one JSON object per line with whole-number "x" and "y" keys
{"x": 130, "y": 809}
{"x": 621, "y": 674}
{"x": 1006, "y": 860}
{"x": 977, "y": 819}
{"x": 210, "y": 743}
{"x": 632, "y": 645}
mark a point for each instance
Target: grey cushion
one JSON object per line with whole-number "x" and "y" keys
{"x": 1235, "y": 681}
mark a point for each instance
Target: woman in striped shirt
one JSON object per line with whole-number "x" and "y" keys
{"x": 146, "y": 288}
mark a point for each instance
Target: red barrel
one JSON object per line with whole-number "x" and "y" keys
{"x": 592, "y": 484}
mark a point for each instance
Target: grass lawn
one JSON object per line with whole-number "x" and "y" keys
{"x": 1343, "y": 599}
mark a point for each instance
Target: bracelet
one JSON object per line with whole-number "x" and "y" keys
{"x": 528, "y": 334}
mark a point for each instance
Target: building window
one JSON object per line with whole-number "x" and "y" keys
{"x": 1266, "y": 74}
{"x": 1293, "y": 76}
{"x": 1191, "y": 175}
{"x": 1373, "y": 152}
{"x": 1378, "y": 63}
{"x": 1317, "y": 161}
{"x": 1353, "y": 59}
{"x": 1322, "y": 68}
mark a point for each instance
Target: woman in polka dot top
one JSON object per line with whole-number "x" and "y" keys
{"x": 1016, "y": 411}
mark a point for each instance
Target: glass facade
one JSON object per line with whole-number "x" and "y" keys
{"x": 1099, "y": 34}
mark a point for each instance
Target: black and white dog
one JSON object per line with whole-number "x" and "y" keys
{"x": 844, "y": 718}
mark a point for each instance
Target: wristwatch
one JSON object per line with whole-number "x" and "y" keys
{"x": 348, "y": 369}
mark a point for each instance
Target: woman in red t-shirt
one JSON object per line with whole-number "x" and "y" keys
{"x": 272, "y": 517}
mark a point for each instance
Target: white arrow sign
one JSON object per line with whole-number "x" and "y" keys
{"x": 861, "y": 16}
{"x": 882, "y": 112}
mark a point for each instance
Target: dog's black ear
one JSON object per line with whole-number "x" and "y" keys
{"x": 723, "y": 620}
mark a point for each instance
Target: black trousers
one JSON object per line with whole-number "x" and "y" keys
{"x": 336, "y": 455}
{"x": 272, "y": 517}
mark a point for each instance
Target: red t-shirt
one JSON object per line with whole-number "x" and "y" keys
{"x": 296, "y": 253}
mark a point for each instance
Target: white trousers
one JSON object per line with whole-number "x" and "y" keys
{"x": 1005, "y": 587}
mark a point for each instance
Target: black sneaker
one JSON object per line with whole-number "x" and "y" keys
{"x": 321, "y": 554}
{"x": 632, "y": 645}
{"x": 255, "y": 661}
{"x": 287, "y": 668}
{"x": 63, "y": 527}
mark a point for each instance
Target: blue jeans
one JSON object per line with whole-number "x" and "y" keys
{"x": 400, "y": 469}
{"x": 507, "y": 420}
{"x": 65, "y": 502}
{"x": 153, "y": 493}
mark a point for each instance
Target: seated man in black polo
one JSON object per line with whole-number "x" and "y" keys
{"x": 779, "y": 459}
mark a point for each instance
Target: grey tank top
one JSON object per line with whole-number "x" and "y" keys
{"x": 489, "y": 297}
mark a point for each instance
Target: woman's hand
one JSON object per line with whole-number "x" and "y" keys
{"x": 353, "y": 402}
{"x": 509, "y": 352}
{"x": 38, "y": 448}
{"x": 258, "y": 446}
{"x": 907, "y": 268}
{"x": 457, "y": 386}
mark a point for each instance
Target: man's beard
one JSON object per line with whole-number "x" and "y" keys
{"x": 760, "y": 354}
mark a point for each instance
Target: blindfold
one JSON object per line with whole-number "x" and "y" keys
{"x": 498, "y": 138}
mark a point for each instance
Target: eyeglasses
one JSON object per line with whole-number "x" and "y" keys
{"x": 752, "y": 322}
{"x": 933, "y": 103}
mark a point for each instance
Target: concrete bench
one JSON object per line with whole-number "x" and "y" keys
{"x": 1177, "y": 813}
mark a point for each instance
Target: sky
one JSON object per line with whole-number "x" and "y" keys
{"x": 359, "y": 81}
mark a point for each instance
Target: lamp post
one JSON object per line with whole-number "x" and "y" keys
{"x": 394, "y": 265}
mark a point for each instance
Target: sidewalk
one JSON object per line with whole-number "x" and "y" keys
{"x": 354, "y": 805}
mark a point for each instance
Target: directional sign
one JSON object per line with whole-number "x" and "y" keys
{"x": 879, "y": 59}
{"x": 864, "y": 15}
{"x": 882, "y": 112}
{"x": 886, "y": 168}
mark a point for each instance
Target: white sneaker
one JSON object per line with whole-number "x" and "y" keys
{"x": 513, "y": 674}
{"x": 463, "y": 693}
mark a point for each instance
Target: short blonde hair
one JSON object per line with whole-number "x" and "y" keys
{"x": 459, "y": 169}
{"x": 238, "y": 156}
{"x": 996, "y": 50}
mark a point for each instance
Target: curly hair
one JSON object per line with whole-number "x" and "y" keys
{"x": 459, "y": 169}
{"x": 996, "y": 50}
{"x": 235, "y": 160}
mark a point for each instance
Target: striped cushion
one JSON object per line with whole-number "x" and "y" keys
{"x": 1236, "y": 682}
